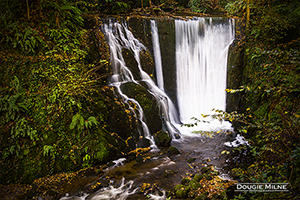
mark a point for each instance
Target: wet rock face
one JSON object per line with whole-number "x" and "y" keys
{"x": 147, "y": 102}
{"x": 141, "y": 29}
{"x": 121, "y": 122}
{"x": 235, "y": 66}
{"x": 166, "y": 30}
{"x": 143, "y": 143}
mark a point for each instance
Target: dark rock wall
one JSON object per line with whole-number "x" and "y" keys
{"x": 235, "y": 67}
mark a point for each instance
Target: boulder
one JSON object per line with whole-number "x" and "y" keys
{"x": 162, "y": 139}
{"x": 173, "y": 150}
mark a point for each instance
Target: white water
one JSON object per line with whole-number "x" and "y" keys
{"x": 201, "y": 64}
{"x": 157, "y": 55}
{"x": 111, "y": 192}
{"x": 119, "y": 36}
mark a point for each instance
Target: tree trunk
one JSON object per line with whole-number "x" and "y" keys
{"x": 27, "y": 4}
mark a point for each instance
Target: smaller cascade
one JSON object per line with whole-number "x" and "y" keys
{"x": 117, "y": 40}
{"x": 157, "y": 55}
{"x": 122, "y": 192}
{"x": 119, "y": 36}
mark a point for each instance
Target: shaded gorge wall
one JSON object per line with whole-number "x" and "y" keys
{"x": 235, "y": 65}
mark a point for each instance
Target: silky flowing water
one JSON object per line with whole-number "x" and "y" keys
{"x": 201, "y": 67}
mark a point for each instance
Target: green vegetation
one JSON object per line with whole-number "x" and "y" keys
{"x": 271, "y": 96}
{"x": 52, "y": 108}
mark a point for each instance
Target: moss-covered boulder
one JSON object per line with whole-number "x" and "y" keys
{"x": 181, "y": 191}
{"x": 194, "y": 184}
{"x": 173, "y": 150}
{"x": 146, "y": 63}
{"x": 198, "y": 177}
{"x": 185, "y": 181}
{"x": 208, "y": 176}
{"x": 143, "y": 143}
{"x": 131, "y": 63}
{"x": 162, "y": 139}
{"x": 205, "y": 169}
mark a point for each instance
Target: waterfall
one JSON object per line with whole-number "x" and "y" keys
{"x": 119, "y": 36}
{"x": 201, "y": 67}
{"x": 157, "y": 55}
{"x": 169, "y": 112}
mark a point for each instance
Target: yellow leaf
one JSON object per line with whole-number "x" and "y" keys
{"x": 224, "y": 151}
{"x": 253, "y": 165}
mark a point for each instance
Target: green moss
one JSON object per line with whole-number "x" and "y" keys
{"x": 185, "y": 181}
{"x": 147, "y": 102}
{"x": 162, "y": 139}
{"x": 194, "y": 184}
{"x": 181, "y": 191}
{"x": 208, "y": 176}
{"x": 173, "y": 150}
{"x": 198, "y": 177}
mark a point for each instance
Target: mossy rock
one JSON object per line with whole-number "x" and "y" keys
{"x": 143, "y": 143}
{"x": 121, "y": 122}
{"x": 147, "y": 62}
{"x": 194, "y": 184}
{"x": 208, "y": 176}
{"x": 181, "y": 191}
{"x": 162, "y": 139}
{"x": 177, "y": 187}
{"x": 148, "y": 103}
{"x": 198, "y": 177}
{"x": 185, "y": 181}
{"x": 173, "y": 150}
{"x": 131, "y": 63}
{"x": 215, "y": 173}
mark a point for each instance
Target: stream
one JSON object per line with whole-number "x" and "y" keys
{"x": 162, "y": 171}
